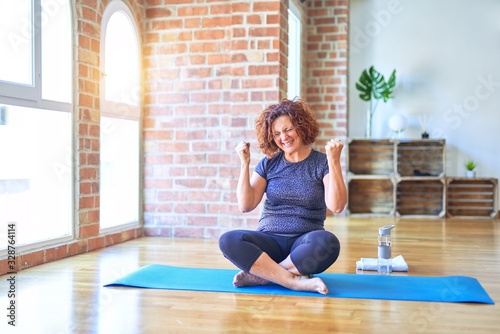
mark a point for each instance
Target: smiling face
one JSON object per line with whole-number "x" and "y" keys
{"x": 285, "y": 135}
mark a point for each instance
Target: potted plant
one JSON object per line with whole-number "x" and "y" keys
{"x": 470, "y": 168}
{"x": 373, "y": 87}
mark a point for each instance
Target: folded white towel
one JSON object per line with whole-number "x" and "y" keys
{"x": 398, "y": 264}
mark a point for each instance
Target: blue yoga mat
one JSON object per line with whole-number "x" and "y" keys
{"x": 451, "y": 289}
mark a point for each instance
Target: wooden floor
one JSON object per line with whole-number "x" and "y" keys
{"x": 68, "y": 296}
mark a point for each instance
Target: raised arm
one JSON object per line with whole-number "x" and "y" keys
{"x": 335, "y": 188}
{"x": 249, "y": 190}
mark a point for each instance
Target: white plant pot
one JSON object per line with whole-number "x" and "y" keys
{"x": 470, "y": 174}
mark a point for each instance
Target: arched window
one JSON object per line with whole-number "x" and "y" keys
{"x": 36, "y": 188}
{"x": 120, "y": 118}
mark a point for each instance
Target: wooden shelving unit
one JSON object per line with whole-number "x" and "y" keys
{"x": 396, "y": 177}
{"x": 371, "y": 185}
{"x": 420, "y": 170}
{"x": 472, "y": 198}
{"x": 406, "y": 178}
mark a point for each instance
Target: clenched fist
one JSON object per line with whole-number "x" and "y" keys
{"x": 333, "y": 149}
{"x": 243, "y": 150}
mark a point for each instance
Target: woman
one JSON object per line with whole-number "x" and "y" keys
{"x": 290, "y": 243}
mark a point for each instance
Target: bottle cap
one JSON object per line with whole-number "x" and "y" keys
{"x": 386, "y": 230}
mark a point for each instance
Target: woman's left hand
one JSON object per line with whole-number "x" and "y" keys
{"x": 333, "y": 149}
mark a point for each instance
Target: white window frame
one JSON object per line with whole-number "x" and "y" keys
{"x": 294, "y": 71}
{"x": 107, "y": 107}
{"x": 30, "y": 96}
{"x": 113, "y": 108}
{"x": 28, "y": 92}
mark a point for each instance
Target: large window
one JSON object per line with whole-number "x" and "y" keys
{"x": 35, "y": 121}
{"x": 35, "y": 174}
{"x": 120, "y": 120}
{"x": 294, "y": 50}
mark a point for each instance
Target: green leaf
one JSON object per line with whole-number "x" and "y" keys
{"x": 389, "y": 87}
{"x": 364, "y": 95}
{"x": 470, "y": 165}
{"x": 372, "y": 85}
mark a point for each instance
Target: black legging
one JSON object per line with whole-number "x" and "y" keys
{"x": 311, "y": 253}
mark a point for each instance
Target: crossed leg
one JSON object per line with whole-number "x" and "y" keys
{"x": 256, "y": 253}
{"x": 265, "y": 270}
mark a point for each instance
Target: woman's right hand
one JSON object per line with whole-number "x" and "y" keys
{"x": 243, "y": 150}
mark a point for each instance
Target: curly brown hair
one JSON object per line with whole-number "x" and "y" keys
{"x": 302, "y": 118}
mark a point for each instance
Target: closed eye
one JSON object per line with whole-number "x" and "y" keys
{"x": 277, "y": 134}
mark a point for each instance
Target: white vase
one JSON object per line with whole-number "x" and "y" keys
{"x": 470, "y": 174}
{"x": 369, "y": 120}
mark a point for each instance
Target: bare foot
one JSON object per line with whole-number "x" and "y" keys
{"x": 304, "y": 283}
{"x": 246, "y": 279}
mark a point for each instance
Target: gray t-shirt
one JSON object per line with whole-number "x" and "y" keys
{"x": 295, "y": 194}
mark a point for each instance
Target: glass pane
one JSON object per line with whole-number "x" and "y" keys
{"x": 56, "y": 51}
{"x": 35, "y": 174}
{"x": 294, "y": 42}
{"x": 119, "y": 185}
{"x": 16, "y": 41}
{"x": 121, "y": 61}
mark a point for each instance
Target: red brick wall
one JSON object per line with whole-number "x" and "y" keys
{"x": 211, "y": 67}
{"x": 326, "y": 54}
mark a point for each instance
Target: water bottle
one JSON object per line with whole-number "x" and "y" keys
{"x": 384, "y": 263}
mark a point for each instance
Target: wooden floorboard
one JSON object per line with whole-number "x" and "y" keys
{"x": 68, "y": 296}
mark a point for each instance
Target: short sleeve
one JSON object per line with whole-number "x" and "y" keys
{"x": 324, "y": 166}
{"x": 261, "y": 168}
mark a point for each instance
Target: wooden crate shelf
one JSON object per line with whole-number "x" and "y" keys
{"x": 471, "y": 198}
{"x": 371, "y": 196}
{"x": 371, "y": 157}
{"x": 396, "y": 177}
{"x": 419, "y": 198}
{"x": 420, "y": 158}
{"x": 407, "y": 178}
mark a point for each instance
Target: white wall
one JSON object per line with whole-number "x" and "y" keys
{"x": 447, "y": 57}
